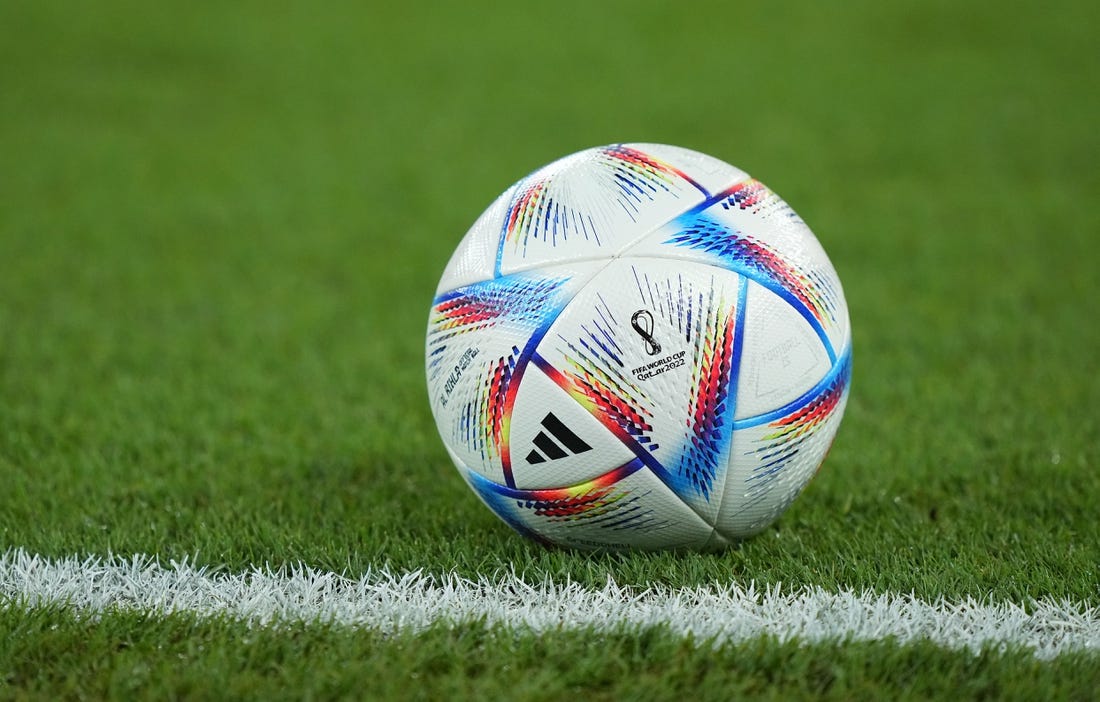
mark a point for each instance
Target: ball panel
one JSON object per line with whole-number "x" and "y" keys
{"x": 790, "y": 253}
{"x": 750, "y": 230}
{"x": 775, "y": 455}
{"x": 647, "y": 348}
{"x": 554, "y": 441}
{"x": 625, "y": 508}
{"x": 590, "y": 204}
{"x": 782, "y": 359}
{"x": 479, "y": 341}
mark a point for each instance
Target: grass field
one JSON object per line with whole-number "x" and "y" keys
{"x": 221, "y": 227}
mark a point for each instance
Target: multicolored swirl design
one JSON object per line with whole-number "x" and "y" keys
{"x": 486, "y": 416}
{"x": 542, "y": 210}
{"x": 526, "y": 306}
{"x": 790, "y": 432}
{"x": 718, "y": 344}
{"x": 639, "y": 175}
{"x": 518, "y": 298}
{"x": 745, "y": 254}
{"x": 811, "y": 292}
{"x": 753, "y": 196}
{"x": 602, "y": 501}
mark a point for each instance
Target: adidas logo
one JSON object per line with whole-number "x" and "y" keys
{"x": 548, "y": 446}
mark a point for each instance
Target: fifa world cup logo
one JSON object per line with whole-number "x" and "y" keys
{"x": 642, "y": 321}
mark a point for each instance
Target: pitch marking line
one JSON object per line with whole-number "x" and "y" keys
{"x": 391, "y": 602}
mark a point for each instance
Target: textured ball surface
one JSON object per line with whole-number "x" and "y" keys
{"x": 638, "y": 346}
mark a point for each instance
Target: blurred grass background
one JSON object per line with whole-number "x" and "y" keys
{"x": 221, "y": 226}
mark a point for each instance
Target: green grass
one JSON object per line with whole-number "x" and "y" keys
{"x": 129, "y": 655}
{"x": 221, "y": 228}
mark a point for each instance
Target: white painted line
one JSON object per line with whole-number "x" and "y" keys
{"x": 390, "y": 602}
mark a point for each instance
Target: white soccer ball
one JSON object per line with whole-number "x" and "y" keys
{"x": 638, "y": 346}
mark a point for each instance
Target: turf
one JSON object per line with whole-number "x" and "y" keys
{"x": 221, "y": 227}
{"x": 128, "y": 655}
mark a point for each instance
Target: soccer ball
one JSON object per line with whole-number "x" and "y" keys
{"x": 638, "y": 346}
